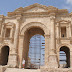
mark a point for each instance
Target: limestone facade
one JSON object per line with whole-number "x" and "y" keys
{"x": 19, "y": 26}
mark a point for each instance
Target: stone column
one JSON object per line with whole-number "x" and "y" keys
{"x": 1, "y": 21}
{"x": 13, "y": 56}
{"x": 53, "y": 62}
{"x": 20, "y": 50}
{"x": 70, "y": 30}
{"x": 0, "y": 27}
{"x": 46, "y": 49}
{"x": 71, "y": 23}
{"x": 71, "y": 43}
{"x": 67, "y": 31}
{"x": 70, "y": 59}
{"x": 2, "y": 31}
{"x": 0, "y": 56}
{"x": 58, "y": 33}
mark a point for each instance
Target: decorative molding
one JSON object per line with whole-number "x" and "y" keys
{"x": 48, "y": 10}
{"x": 47, "y": 35}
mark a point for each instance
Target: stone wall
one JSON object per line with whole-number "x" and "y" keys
{"x": 56, "y": 70}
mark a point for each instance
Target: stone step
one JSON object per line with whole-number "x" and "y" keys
{"x": 21, "y": 70}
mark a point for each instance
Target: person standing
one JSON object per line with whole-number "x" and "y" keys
{"x": 23, "y": 63}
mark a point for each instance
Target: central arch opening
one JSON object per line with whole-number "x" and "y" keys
{"x": 64, "y": 57}
{"x": 34, "y": 48}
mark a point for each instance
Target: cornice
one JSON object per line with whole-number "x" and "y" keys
{"x": 1, "y": 18}
{"x": 63, "y": 21}
{"x": 70, "y": 14}
{"x": 49, "y": 10}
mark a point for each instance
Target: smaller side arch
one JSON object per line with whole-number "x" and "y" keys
{"x": 64, "y": 55}
{"x": 4, "y": 55}
{"x": 61, "y": 45}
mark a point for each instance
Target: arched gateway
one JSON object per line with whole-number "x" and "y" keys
{"x": 64, "y": 57}
{"x": 27, "y": 32}
{"x": 20, "y": 27}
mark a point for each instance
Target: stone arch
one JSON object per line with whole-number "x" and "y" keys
{"x": 65, "y": 48}
{"x": 34, "y": 24}
{"x": 25, "y": 37}
{"x": 61, "y": 45}
{"x": 4, "y": 54}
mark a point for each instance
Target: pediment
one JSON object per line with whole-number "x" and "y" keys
{"x": 64, "y": 21}
{"x": 33, "y": 8}
{"x": 36, "y": 9}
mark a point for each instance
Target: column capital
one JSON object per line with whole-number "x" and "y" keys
{"x": 47, "y": 35}
{"x": 19, "y": 17}
{"x": 57, "y": 24}
{"x": 21, "y": 36}
{"x": 52, "y": 16}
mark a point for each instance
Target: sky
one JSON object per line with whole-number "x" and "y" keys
{"x": 11, "y": 5}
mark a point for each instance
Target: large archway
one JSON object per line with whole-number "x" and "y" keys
{"x": 64, "y": 57}
{"x": 36, "y": 52}
{"x": 34, "y": 31}
{"x": 4, "y": 55}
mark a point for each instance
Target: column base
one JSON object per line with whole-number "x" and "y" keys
{"x": 12, "y": 60}
{"x": 53, "y": 63}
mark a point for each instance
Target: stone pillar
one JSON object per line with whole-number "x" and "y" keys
{"x": 67, "y": 31}
{"x": 20, "y": 50}
{"x": 70, "y": 59}
{"x": 46, "y": 49}
{"x": 0, "y": 56}
{"x": 0, "y": 27}
{"x": 2, "y": 31}
{"x": 53, "y": 62}
{"x": 70, "y": 49}
{"x": 13, "y": 56}
{"x": 58, "y": 32}
{"x": 1, "y": 21}
{"x": 70, "y": 30}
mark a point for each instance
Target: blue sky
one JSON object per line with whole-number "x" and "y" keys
{"x": 11, "y": 5}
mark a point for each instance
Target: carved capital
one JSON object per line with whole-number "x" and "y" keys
{"x": 57, "y": 25}
{"x": 21, "y": 36}
{"x": 52, "y": 18}
{"x": 71, "y": 14}
{"x": 19, "y": 17}
{"x": 47, "y": 36}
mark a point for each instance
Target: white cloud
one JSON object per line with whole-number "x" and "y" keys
{"x": 69, "y": 1}
{"x": 68, "y": 7}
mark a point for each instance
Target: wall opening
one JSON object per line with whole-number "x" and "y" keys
{"x": 7, "y": 34}
{"x": 34, "y": 48}
{"x": 64, "y": 57}
{"x": 36, "y": 52}
{"x": 63, "y": 31}
{"x": 4, "y": 55}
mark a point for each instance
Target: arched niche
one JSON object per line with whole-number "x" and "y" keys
{"x": 4, "y": 55}
{"x": 64, "y": 56}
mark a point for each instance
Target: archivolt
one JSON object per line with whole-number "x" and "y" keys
{"x": 67, "y": 45}
{"x": 34, "y": 24}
